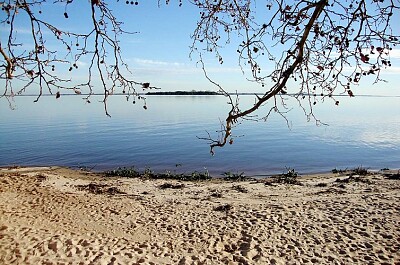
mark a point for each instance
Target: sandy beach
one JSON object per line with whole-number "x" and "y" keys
{"x": 57, "y": 215}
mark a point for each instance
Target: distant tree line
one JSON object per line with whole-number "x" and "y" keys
{"x": 185, "y": 93}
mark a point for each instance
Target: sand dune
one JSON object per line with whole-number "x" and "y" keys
{"x": 60, "y": 216}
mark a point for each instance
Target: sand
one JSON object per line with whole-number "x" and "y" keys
{"x": 60, "y": 216}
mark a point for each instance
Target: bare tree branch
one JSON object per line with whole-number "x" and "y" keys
{"x": 38, "y": 66}
{"x": 319, "y": 49}
{"x": 322, "y": 46}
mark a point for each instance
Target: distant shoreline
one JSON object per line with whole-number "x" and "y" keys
{"x": 193, "y": 93}
{"x": 184, "y": 93}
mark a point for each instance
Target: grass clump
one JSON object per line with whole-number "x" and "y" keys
{"x": 123, "y": 172}
{"x": 197, "y": 176}
{"x": 338, "y": 171}
{"x": 355, "y": 175}
{"x": 229, "y": 176}
{"x": 393, "y": 176}
{"x": 131, "y": 172}
{"x": 290, "y": 177}
{"x": 361, "y": 171}
{"x": 194, "y": 176}
{"x": 353, "y": 179}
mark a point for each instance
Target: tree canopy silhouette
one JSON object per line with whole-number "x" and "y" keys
{"x": 319, "y": 49}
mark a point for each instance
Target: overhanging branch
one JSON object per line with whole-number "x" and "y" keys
{"x": 233, "y": 115}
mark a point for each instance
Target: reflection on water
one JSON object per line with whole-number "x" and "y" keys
{"x": 363, "y": 131}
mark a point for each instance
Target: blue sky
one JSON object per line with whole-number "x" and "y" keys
{"x": 159, "y": 52}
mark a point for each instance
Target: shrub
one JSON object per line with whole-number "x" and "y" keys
{"x": 290, "y": 177}
{"x": 149, "y": 174}
{"x": 123, "y": 172}
{"x": 229, "y": 176}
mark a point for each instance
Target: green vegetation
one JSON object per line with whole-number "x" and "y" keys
{"x": 149, "y": 174}
{"x": 338, "y": 171}
{"x": 393, "y": 176}
{"x": 229, "y": 176}
{"x": 290, "y": 177}
{"x": 123, "y": 172}
{"x": 361, "y": 171}
{"x": 353, "y": 179}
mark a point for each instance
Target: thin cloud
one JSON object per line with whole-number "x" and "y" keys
{"x": 395, "y": 54}
{"x": 82, "y": 63}
{"x": 19, "y": 30}
{"x": 391, "y": 70}
{"x": 149, "y": 62}
{"x": 181, "y": 68}
{"x": 25, "y": 31}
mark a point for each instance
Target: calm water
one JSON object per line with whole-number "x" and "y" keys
{"x": 362, "y": 131}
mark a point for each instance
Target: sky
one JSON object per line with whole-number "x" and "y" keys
{"x": 159, "y": 51}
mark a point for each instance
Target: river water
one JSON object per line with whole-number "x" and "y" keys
{"x": 361, "y": 131}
